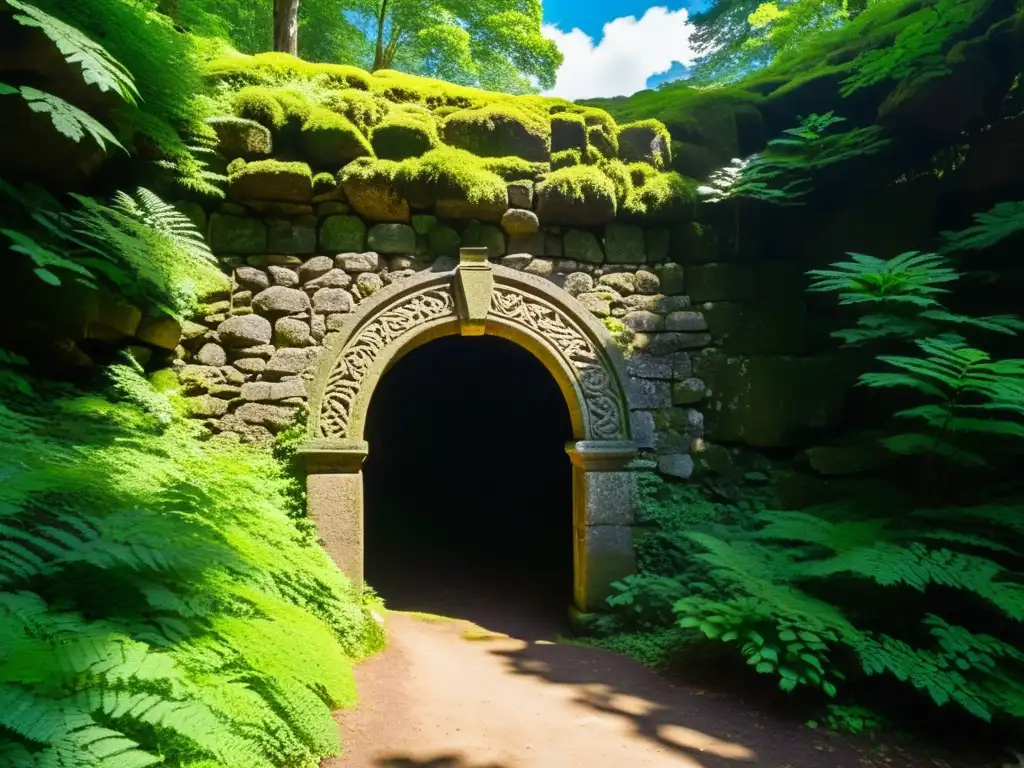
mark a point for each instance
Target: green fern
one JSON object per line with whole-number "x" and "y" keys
{"x": 150, "y": 210}
{"x": 99, "y": 68}
{"x": 67, "y": 119}
{"x": 1001, "y": 221}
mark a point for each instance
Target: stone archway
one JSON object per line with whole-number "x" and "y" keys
{"x": 478, "y": 298}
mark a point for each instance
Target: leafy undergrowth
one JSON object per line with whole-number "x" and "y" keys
{"x": 160, "y": 600}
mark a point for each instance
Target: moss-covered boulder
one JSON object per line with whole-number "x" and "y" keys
{"x": 455, "y": 183}
{"x": 365, "y": 110}
{"x": 238, "y": 137}
{"x": 568, "y": 131}
{"x": 237, "y": 234}
{"x": 645, "y": 141}
{"x": 603, "y": 141}
{"x": 329, "y": 140}
{"x": 369, "y": 186}
{"x": 580, "y": 196}
{"x": 661, "y": 196}
{"x": 499, "y": 131}
{"x": 443, "y": 241}
{"x": 271, "y": 180}
{"x": 342, "y": 234}
{"x": 392, "y": 238}
{"x": 403, "y": 135}
{"x": 259, "y": 105}
{"x": 566, "y": 158}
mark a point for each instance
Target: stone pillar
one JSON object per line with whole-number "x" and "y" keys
{"x": 603, "y": 497}
{"x": 334, "y": 498}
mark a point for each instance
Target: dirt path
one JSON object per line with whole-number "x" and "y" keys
{"x": 448, "y": 694}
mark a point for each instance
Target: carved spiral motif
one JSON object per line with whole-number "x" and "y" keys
{"x": 361, "y": 353}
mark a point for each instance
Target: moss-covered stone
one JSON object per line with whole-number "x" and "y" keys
{"x": 423, "y": 223}
{"x": 662, "y": 196}
{"x": 581, "y": 196}
{"x": 568, "y": 131}
{"x": 580, "y": 245}
{"x": 369, "y": 185}
{"x": 499, "y": 131}
{"x": 277, "y": 68}
{"x": 238, "y": 137}
{"x": 694, "y": 242}
{"x": 401, "y": 136}
{"x": 293, "y": 235}
{"x": 323, "y": 183}
{"x": 520, "y": 194}
{"x": 392, "y": 238}
{"x": 272, "y": 180}
{"x": 485, "y": 236}
{"x": 259, "y": 105}
{"x": 515, "y": 168}
{"x": 329, "y": 140}
{"x": 566, "y": 158}
{"x": 624, "y": 243}
{"x": 365, "y": 110}
{"x": 237, "y": 234}
{"x": 645, "y": 141}
{"x": 342, "y": 234}
{"x": 444, "y": 241}
{"x": 455, "y": 183}
{"x": 605, "y": 143}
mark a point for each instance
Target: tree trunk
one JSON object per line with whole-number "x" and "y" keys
{"x": 286, "y": 26}
{"x": 378, "y": 55}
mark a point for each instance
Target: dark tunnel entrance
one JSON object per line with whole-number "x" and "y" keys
{"x": 468, "y": 489}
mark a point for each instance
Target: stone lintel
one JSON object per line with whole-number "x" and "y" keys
{"x": 474, "y": 281}
{"x": 601, "y": 455}
{"x": 333, "y": 457}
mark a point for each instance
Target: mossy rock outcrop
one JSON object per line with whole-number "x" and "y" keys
{"x": 577, "y": 196}
{"x": 402, "y": 136}
{"x": 645, "y": 141}
{"x": 369, "y": 186}
{"x": 238, "y": 137}
{"x": 499, "y": 132}
{"x": 455, "y": 183}
{"x": 271, "y": 180}
{"x": 568, "y": 131}
{"x": 329, "y": 140}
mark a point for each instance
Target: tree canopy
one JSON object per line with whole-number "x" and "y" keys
{"x": 495, "y": 44}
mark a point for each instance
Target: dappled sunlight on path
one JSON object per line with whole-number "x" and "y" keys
{"x": 449, "y": 693}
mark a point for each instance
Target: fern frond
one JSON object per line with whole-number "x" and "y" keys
{"x": 991, "y": 227}
{"x": 99, "y": 68}
{"x": 148, "y": 208}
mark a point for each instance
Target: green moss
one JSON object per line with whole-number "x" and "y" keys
{"x": 272, "y": 166}
{"x": 592, "y": 155}
{"x": 621, "y": 334}
{"x": 566, "y": 158}
{"x": 235, "y": 166}
{"x": 329, "y": 140}
{"x": 450, "y": 173}
{"x": 605, "y": 143}
{"x": 639, "y": 173}
{"x": 258, "y": 104}
{"x": 568, "y": 131}
{"x": 619, "y": 174}
{"x": 663, "y": 195}
{"x": 364, "y": 110}
{"x": 403, "y": 135}
{"x": 369, "y": 185}
{"x": 279, "y": 68}
{"x": 579, "y": 195}
{"x": 514, "y": 168}
{"x": 296, "y": 106}
{"x": 272, "y": 180}
{"x": 647, "y": 141}
{"x": 499, "y": 131}
{"x": 323, "y": 183}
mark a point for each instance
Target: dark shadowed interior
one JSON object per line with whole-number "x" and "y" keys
{"x": 468, "y": 486}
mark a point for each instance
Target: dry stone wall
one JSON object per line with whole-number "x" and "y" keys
{"x": 299, "y": 268}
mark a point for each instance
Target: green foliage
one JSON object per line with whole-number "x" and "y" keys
{"x": 918, "y": 52}
{"x": 67, "y": 119}
{"x": 156, "y": 603}
{"x": 99, "y": 68}
{"x": 1003, "y": 220}
{"x": 785, "y": 173}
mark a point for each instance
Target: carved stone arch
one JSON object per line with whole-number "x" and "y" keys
{"x": 478, "y": 298}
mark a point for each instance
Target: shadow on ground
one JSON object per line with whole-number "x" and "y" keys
{"x": 442, "y": 761}
{"x": 718, "y": 730}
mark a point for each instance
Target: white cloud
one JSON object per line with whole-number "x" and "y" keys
{"x": 630, "y": 51}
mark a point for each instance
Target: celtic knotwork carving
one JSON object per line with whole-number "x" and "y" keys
{"x": 598, "y": 387}
{"x": 362, "y": 351}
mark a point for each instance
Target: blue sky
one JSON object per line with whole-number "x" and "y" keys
{"x": 618, "y": 48}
